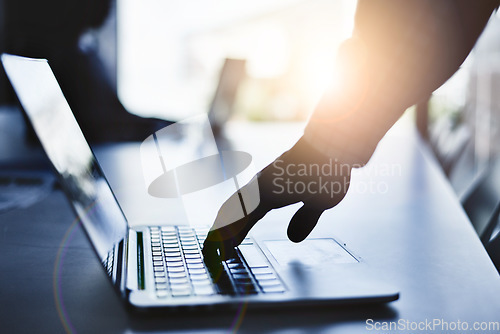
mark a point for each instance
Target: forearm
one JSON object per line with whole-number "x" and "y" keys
{"x": 400, "y": 52}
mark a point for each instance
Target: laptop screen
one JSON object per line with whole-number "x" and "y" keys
{"x": 67, "y": 149}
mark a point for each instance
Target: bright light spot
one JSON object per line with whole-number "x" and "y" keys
{"x": 269, "y": 56}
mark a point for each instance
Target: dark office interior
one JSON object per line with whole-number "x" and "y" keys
{"x": 415, "y": 242}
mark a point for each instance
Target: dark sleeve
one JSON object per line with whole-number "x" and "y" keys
{"x": 400, "y": 52}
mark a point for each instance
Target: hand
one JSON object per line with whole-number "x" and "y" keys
{"x": 301, "y": 174}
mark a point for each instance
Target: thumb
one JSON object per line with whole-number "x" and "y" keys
{"x": 303, "y": 222}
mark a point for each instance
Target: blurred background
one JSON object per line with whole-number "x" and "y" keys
{"x": 166, "y": 59}
{"x": 170, "y": 54}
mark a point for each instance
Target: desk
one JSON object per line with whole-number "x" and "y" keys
{"x": 418, "y": 239}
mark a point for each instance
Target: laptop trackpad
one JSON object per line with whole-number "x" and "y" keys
{"x": 310, "y": 252}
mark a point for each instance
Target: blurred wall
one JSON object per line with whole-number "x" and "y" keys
{"x": 3, "y": 82}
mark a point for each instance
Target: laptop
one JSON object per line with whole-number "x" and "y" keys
{"x": 161, "y": 266}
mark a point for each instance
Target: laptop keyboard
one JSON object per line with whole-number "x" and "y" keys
{"x": 179, "y": 270}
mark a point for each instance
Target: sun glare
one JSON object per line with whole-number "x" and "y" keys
{"x": 170, "y": 54}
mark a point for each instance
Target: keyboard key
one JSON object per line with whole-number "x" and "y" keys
{"x": 161, "y": 286}
{"x": 263, "y": 270}
{"x": 158, "y": 269}
{"x": 158, "y": 264}
{"x": 175, "y": 264}
{"x": 247, "y": 290}
{"x": 169, "y": 240}
{"x": 173, "y": 259}
{"x": 273, "y": 289}
{"x": 236, "y": 266}
{"x": 241, "y": 276}
{"x": 233, "y": 261}
{"x": 182, "y": 280}
{"x": 175, "y": 269}
{"x": 238, "y": 271}
{"x": 171, "y": 253}
{"x": 263, "y": 277}
{"x": 190, "y": 247}
{"x": 168, "y": 249}
{"x": 226, "y": 289}
{"x": 246, "y": 280}
{"x": 224, "y": 284}
{"x": 195, "y": 266}
{"x": 181, "y": 293}
{"x": 193, "y": 256}
{"x": 176, "y": 274}
{"x": 161, "y": 293}
{"x": 244, "y": 283}
{"x": 202, "y": 282}
{"x": 196, "y": 260}
{"x": 274, "y": 282}
{"x": 204, "y": 290}
{"x": 160, "y": 280}
{"x": 168, "y": 228}
{"x": 189, "y": 243}
{"x": 171, "y": 244}
{"x": 192, "y": 251}
{"x": 198, "y": 274}
{"x": 185, "y": 286}
{"x": 197, "y": 271}
{"x": 159, "y": 274}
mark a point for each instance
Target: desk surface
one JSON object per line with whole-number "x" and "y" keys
{"x": 418, "y": 239}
